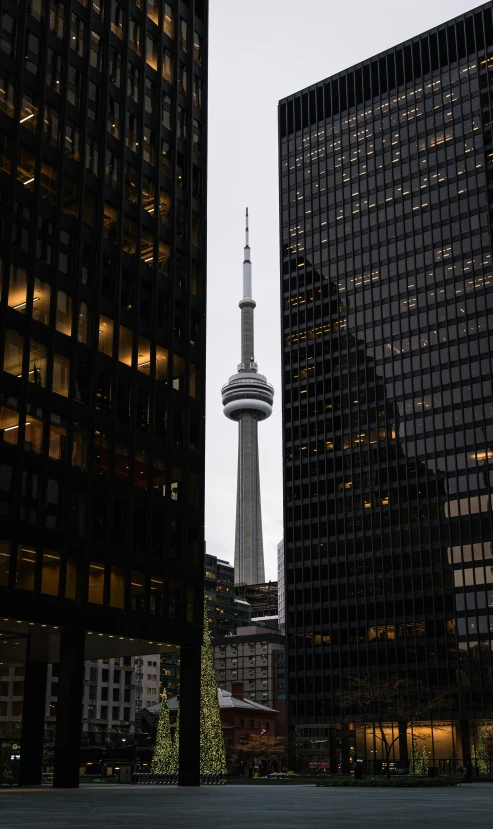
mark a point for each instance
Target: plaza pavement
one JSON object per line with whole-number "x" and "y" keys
{"x": 247, "y": 807}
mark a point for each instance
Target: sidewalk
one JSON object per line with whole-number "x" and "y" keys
{"x": 223, "y": 807}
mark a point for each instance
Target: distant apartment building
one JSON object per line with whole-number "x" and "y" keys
{"x": 170, "y": 673}
{"x": 113, "y": 690}
{"x": 256, "y": 658}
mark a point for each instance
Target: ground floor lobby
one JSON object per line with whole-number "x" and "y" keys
{"x": 34, "y": 744}
{"x": 278, "y": 807}
{"x": 443, "y": 745}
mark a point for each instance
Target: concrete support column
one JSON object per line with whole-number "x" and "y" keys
{"x": 345, "y": 761}
{"x": 189, "y": 748}
{"x": 403, "y": 751}
{"x": 466, "y": 747}
{"x": 33, "y": 721}
{"x": 333, "y": 752}
{"x": 291, "y": 752}
{"x": 69, "y": 709}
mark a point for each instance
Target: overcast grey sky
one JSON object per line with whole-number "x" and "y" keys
{"x": 261, "y": 51}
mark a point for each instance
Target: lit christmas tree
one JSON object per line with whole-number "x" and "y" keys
{"x": 415, "y": 758}
{"x": 212, "y": 753}
{"x": 480, "y": 758}
{"x": 424, "y": 761}
{"x": 165, "y": 757}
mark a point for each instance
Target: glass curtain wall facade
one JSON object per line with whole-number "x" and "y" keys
{"x": 220, "y": 596}
{"x": 102, "y": 314}
{"x": 387, "y": 289}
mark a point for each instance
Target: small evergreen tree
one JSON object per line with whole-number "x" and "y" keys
{"x": 415, "y": 757}
{"x": 424, "y": 761}
{"x": 212, "y": 752}
{"x": 165, "y": 757}
{"x": 479, "y": 757}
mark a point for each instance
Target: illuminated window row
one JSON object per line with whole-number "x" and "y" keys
{"x": 147, "y": 360}
{"x": 41, "y": 572}
{"x": 37, "y": 303}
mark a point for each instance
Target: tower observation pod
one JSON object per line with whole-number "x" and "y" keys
{"x": 248, "y": 398}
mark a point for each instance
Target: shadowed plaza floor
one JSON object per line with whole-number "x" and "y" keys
{"x": 246, "y": 807}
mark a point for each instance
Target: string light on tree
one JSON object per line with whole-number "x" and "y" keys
{"x": 212, "y": 752}
{"x": 415, "y": 757}
{"x": 165, "y": 757}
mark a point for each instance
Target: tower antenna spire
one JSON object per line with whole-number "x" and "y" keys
{"x": 247, "y": 265}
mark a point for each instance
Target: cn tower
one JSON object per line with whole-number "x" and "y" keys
{"x": 247, "y": 399}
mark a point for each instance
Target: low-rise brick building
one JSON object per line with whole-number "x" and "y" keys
{"x": 241, "y": 719}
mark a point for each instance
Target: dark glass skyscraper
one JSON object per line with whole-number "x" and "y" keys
{"x": 102, "y": 332}
{"x": 387, "y": 289}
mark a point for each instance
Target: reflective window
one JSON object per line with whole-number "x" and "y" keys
{"x": 29, "y": 113}
{"x": 178, "y": 372}
{"x": 50, "y": 573}
{"x": 135, "y": 36}
{"x": 33, "y": 440}
{"x": 95, "y": 588}
{"x": 36, "y": 9}
{"x": 144, "y": 355}
{"x": 57, "y": 17}
{"x": 9, "y": 424}
{"x": 83, "y": 323}
{"x": 17, "y": 289}
{"x": 37, "y": 363}
{"x": 25, "y": 569}
{"x": 105, "y": 343}
{"x": 153, "y": 10}
{"x": 4, "y": 563}
{"x": 167, "y": 66}
{"x": 161, "y": 364}
{"x": 117, "y": 588}
{"x": 41, "y": 301}
{"x": 96, "y": 53}
{"x": 63, "y": 320}
{"x": 183, "y": 34}
{"x": 58, "y": 438}
{"x": 6, "y": 94}
{"x": 125, "y": 345}
{"x": 51, "y": 126}
{"x": 168, "y": 20}
{"x": 151, "y": 52}
{"x": 197, "y": 48}
{"x": 117, "y": 18}
{"x": 77, "y": 35}
{"x": 61, "y": 374}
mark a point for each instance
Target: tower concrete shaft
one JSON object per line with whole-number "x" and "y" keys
{"x": 248, "y": 398}
{"x": 249, "y": 542}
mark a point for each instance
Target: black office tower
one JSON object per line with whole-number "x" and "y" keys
{"x": 386, "y": 211}
{"x": 102, "y": 325}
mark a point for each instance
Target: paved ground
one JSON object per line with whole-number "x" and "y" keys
{"x": 247, "y": 807}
